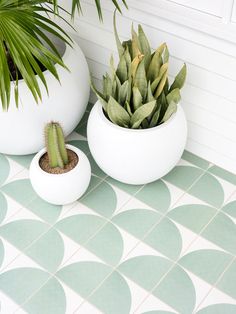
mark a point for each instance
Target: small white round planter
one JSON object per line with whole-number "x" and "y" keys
{"x": 136, "y": 156}
{"x": 61, "y": 189}
{"x": 22, "y": 129}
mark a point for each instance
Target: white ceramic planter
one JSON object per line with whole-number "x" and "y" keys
{"x": 61, "y": 189}
{"x": 21, "y": 130}
{"x": 136, "y": 156}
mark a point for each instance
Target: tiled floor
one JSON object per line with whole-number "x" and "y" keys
{"x": 167, "y": 247}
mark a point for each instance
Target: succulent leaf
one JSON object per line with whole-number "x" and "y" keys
{"x": 127, "y": 108}
{"x": 166, "y": 87}
{"x": 161, "y": 85}
{"x": 117, "y": 114}
{"x": 140, "y": 83}
{"x": 155, "y": 118}
{"x": 180, "y": 78}
{"x": 154, "y": 67}
{"x": 128, "y": 61}
{"x": 107, "y": 86}
{"x": 137, "y": 98}
{"x": 161, "y": 48}
{"x": 162, "y": 72}
{"x": 127, "y": 44}
{"x": 135, "y": 63}
{"x": 150, "y": 96}
{"x": 121, "y": 71}
{"x": 135, "y": 43}
{"x": 172, "y": 108}
{"x": 123, "y": 91}
{"x": 173, "y": 96}
{"x": 142, "y": 113}
{"x": 140, "y": 79}
{"x": 166, "y": 55}
{"x": 144, "y": 46}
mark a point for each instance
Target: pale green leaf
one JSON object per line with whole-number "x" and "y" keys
{"x": 180, "y": 78}
{"x": 117, "y": 114}
{"x": 140, "y": 79}
{"x": 142, "y": 113}
{"x": 137, "y": 98}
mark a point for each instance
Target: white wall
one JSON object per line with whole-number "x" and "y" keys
{"x": 201, "y": 33}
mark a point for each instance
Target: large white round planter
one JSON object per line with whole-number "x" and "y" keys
{"x": 136, "y": 156}
{"x": 22, "y": 129}
{"x": 61, "y": 189}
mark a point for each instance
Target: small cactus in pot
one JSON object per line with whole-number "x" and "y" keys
{"x": 137, "y": 93}
{"x": 57, "y": 159}
{"x": 55, "y": 144}
{"x": 60, "y": 173}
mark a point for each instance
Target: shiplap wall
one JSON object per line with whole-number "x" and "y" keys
{"x": 205, "y": 40}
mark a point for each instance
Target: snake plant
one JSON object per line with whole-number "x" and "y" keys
{"x": 136, "y": 94}
{"x": 22, "y": 32}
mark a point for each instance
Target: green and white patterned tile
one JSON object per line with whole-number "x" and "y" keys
{"x": 229, "y": 207}
{"x": 201, "y": 287}
{"x": 184, "y": 175}
{"x": 159, "y": 195}
{"x": 223, "y": 174}
{"x": 227, "y": 283}
{"x": 222, "y": 232}
{"x": 105, "y": 199}
{"x": 8, "y": 305}
{"x": 205, "y": 260}
{"x": 129, "y": 189}
{"x": 184, "y": 298}
{"x": 141, "y": 230}
{"x": 50, "y": 298}
{"x": 192, "y": 213}
{"x": 11, "y": 282}
{"x": 153, "y": 305}
{"x": 21, "y": 162}
{"x": 113, "y": 295}
{"x": 212, "y": 189}
{"x": 217, "y": 302}
{"x": 196, "y": 160}
{"x": 87, "y": 308}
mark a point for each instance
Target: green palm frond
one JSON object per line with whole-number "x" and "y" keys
{"x": 23, "y": 24}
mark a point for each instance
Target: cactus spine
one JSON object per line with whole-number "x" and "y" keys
{"x": 55, "y": 144}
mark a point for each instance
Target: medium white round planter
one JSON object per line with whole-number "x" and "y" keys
{"x": 61, "y": 189}
{"x": 22, "y": 129}
{"x": 136, "y": 156}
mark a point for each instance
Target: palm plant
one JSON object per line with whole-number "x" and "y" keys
{"x": 23, "y": 24}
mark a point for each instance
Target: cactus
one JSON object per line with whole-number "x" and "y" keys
{"x": 137, "y": 94}
{"x": 55, "y": 144}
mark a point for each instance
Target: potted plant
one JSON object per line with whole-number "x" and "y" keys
{"x": 38, "y": 62}
{"x": 60, "y": 174}
{"x": 137, "y": 129}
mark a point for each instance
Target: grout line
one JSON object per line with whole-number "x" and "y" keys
{"x": 109, "y": 220}
{"x": 186, "y": 249}
{"x": 51, "y": 226}
{"x": 81, "y": 246}
{"x": 214, "y": 286}
{"x": 140, "y": 241}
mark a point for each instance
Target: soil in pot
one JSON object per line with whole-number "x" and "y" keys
{"x": 73, "y": 161}
{"x": 14, "y": 70}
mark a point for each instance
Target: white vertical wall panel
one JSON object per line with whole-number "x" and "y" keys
{"x": 209, "y": 6}
{"x": 209, "y": 97}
